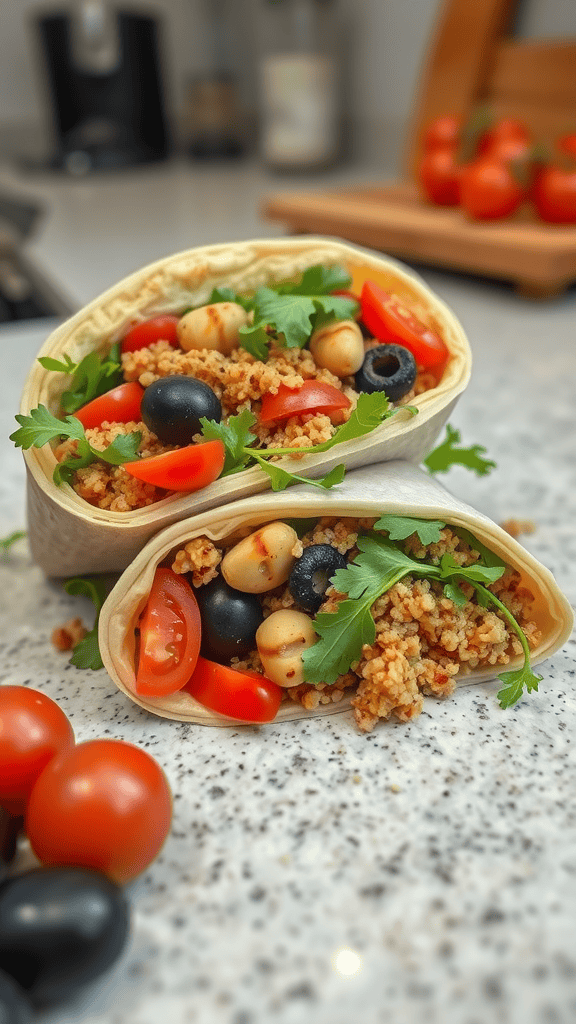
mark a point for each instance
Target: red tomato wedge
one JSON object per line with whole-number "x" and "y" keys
{"x": 158, "y": 328}
{"x": 121, "y": 405}
{"x": 246, "y": 696}
{"x": 170, "y": 632}
{"x": 389, "y": 320}
{"x": 313, "y": 396}
{"x": 186, "y": 469}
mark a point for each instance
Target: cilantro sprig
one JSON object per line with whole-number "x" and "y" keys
{"x": 41, "y": 426}
{"x": 451, "y": 453}
{"x": 7, "y": 542}
{"x": 86, "y": 653}
{"x": 238, "y": 440}
{"x": 380, "y": 564}
{"x": 293, "y": 311}
{"x": 91, "y": 377}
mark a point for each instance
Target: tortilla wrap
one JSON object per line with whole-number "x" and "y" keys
{"x": 68, "y": 535}
{"x": 398, "y": 488}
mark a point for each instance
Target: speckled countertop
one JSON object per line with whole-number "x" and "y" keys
{"x": 423, "y": 873}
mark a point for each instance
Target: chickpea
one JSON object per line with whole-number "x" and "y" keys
{"x": 214, "y": 327}
{"x": 261, "y": 561}
{"x": 338, "y": 347}
{"x": 281, "y": 639}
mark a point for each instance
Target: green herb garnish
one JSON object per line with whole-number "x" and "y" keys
{"x": 449, "y": 454}
{"x": 382, "y": 563}
{"x": 7, "y": 542}
{"x": 370, "y": 411}
{"x": 294, "y": 311}
{"x": 86, "y": 653}
{"x": 41, "y": 426}
{"x": 91, "y": 377}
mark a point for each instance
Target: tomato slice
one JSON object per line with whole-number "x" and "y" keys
{"x": 158, "y": 328}
{"x": 121, "y": 405}
{"x": 245, "y": 696}
{"x": 186, "y": 469}
{"x": 170, "y": 633}
{"x": 389, "y": 320}
{"x": 313, "y": 396}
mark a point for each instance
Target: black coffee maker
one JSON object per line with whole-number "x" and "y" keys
{"x": 104, "y": 79}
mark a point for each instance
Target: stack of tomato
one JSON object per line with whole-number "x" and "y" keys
{"x": 96, "y": 814}
{"x": 491, "y": 167}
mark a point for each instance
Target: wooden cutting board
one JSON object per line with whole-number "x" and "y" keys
{"x": 539, "y": 258}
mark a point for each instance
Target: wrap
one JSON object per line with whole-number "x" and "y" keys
{"x": 398, "y": 488}
{"x": 68, "y": 535}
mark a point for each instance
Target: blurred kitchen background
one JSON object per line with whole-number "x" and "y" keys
{"x": 128, "y": 131}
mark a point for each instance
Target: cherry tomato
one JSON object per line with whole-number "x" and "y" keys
{"x": 567, "y": 144}
{"x": 313, "y": 396}
{"x": 489, "y": 190}
{"x": 554, "y": 195}
{"x": 245, "y": 696}
{"x": 120, "y": 405}
{"x": 158, "y": 328}
{"x": 388, "y": 319}
{"x": 104, "y": 804}
{"x": 33, "y": 729}
{"x": 439, "y": 176}
{"x": 506, "y": 139}
{"x": 442, "y": 131}
{"x": 169, "y": 636}
{"x": 186, "y": 469}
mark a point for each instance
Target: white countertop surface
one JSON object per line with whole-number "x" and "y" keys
{"x": 442, "y": 854}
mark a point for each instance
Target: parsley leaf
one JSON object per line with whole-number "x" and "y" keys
{"x": 282, "y": 478}
{"x": 41, "y": 426}
{"x": 235, "y": 436}
{"x": 294, "y": 310}
{"x": 401, "y": 527}
{"x": 93, "y": 376}
{"x": 379, "y": 565}
{"x": 255, "y": 340}
{"x": 7, "y": 542}
{"x": 449, "y": 454}
{"x": 86, "y": 653}
{"x": 229, "y": 295}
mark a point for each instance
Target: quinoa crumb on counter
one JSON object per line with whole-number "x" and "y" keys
{"x": 66, "y": 636}
{"x": 423, "y": 639}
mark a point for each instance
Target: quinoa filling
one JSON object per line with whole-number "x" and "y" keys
{"x": 423, "y": 639}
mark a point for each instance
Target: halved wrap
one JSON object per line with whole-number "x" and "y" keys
{"x": 70, "y": 535}
{"x": 396, "y": 489}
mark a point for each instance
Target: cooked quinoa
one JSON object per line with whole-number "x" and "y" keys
{"x": 423, "y": 640}
{"x": 239, "y": 381}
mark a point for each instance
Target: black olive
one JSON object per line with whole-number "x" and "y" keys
{"x": 387, "y": 368}
{"x": 230, "y": 619}
{"x": 14, "y": 1007}
{"x": 311, "y": 575}
{"x": 172, "y": 407}
{"x": 60, "y": 928}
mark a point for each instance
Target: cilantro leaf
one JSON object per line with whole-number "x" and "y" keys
{"x": 477, "y": 572}
{"x": 293, "y": 314}
{"x": 124, "y": 448}
{"x": 41, "y": 426}
{"x": 449, "y": 454}
{"x": 93, "y": 376}
{"x": 401, "y": 527}
{"x": 455, "y": 594}
{"x": 321, "y": 280}
{"x": 255, "y": 339}
{"x": 65, "y": 365}
{"x": 235, "y": 436}
{"x": 86, "y": 653}
{"x": 488, "y": 557}
{"x": 343, "y": 634}
{"x": 515, "y": 682}
{"x": 229, "y": 295}
{"x": 282, "y": 478}
{"x": 7, "y": 542}
{"x": 371, "y": 410}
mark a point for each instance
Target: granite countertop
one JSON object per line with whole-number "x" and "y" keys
{"x": 424, "y": 872}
